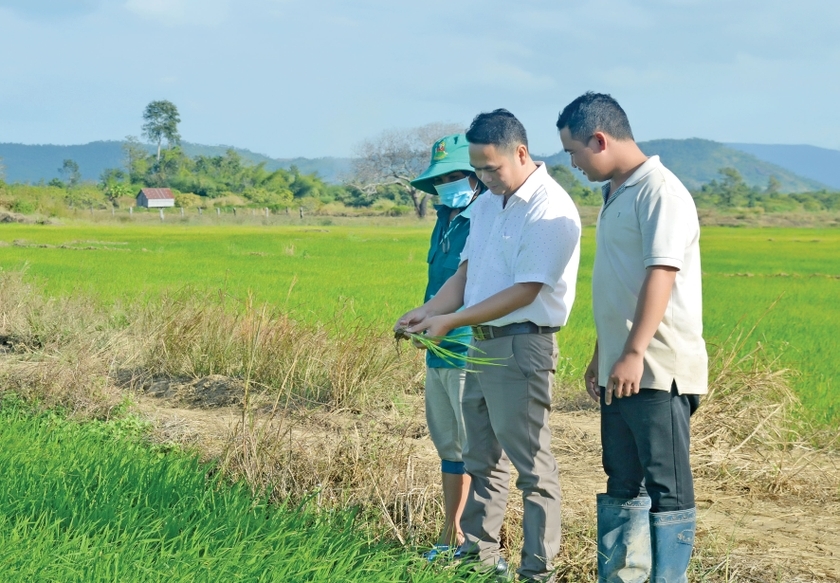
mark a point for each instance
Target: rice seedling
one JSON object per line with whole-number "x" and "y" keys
{"x": 78, "y": 506}
{"x": 434, "y": 344}
{"x": 376, "y": 273}
{"x": 324, "y": 426}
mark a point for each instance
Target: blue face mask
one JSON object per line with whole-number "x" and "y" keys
{"x": 457, "y": 194}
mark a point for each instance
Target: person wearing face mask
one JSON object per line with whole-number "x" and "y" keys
{"x": 452, "y": 179}
{"x": 515, "y": 286}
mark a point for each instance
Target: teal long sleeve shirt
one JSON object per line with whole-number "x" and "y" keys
{"x": 448, "y": 239}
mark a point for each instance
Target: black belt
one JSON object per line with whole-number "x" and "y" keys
{"x": 489, "y": 332}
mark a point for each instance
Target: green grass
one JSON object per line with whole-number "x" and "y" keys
{"x": 747, "y": 270}
{"x": 310, "y": 270}
{"x": 91, "y": 502}
{"x": 377, "y": 273}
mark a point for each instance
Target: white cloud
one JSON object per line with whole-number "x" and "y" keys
{"x": 331, "y": 72}
{"x": 181, "y": 12}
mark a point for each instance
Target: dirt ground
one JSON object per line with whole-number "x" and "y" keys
{"x": 761, "y": 536}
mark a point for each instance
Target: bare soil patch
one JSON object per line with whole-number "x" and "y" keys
{"x": 744, "y": 534}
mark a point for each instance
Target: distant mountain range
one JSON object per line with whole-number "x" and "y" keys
{"x": 32, "y": 163}
{"x": 819, "y": 164}
{"x": 799, "y": 168}
{"x": 697, "y": 162}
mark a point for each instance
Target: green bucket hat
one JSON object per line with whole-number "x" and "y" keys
{"x": 449, "y": 154}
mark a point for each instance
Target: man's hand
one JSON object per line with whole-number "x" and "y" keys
{"x": 590, "y": 379}
{"x": 625, "y": 376}
{"x": 626, "y": 373}
{"x": 433, "y": 325}
{"x": 410, "y": 318}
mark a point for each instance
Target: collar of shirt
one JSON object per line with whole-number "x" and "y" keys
{"x": 531, "y": 185}
{"x": 646, "y": 168}
{"x": 443, "y": 210}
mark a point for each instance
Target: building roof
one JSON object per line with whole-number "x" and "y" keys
{"x": 156, "y": 193}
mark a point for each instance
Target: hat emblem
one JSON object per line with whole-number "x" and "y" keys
{"x": 440, "y": 151}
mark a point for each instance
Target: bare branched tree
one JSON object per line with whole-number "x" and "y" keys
{"x": 398, "y": 156}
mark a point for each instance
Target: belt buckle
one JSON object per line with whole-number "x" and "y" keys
{"x": 478, "y": 332}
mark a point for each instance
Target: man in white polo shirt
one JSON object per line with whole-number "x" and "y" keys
{"x": 516, "y": 284}
{"x": 650, "y": 365}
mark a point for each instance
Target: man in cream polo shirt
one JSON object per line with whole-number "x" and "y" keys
{"x": 516, "y": 284}
{"x": 649, "y": 365}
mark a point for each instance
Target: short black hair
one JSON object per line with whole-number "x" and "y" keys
{"x": 595, "y": 112}
{"x": 498, "y": 128}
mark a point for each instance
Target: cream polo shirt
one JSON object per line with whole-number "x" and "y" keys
{"x": 650, "y": 220}
{"x": 534, "y": 238}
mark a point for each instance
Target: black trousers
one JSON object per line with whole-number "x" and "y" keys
{"x": 645, "y": 440}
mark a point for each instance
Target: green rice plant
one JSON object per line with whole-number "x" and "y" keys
{"x": 352, "y": 450}
{"x": 349, "y": 274}
{"x": 434, "y": 344}
{"x": 78, "y": 505}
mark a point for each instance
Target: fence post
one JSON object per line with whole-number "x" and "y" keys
{"x": 161, "y": 214}
{"x": 200, "y": 211}
{"x": 266, "y": 212}
{"x": 182, "y": 211}
{"x": 130, "y": 211}
{"x": 301, "y": 212}
{"x": 218, "y": 211}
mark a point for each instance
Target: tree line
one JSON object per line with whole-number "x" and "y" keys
{"x": 383, "y": 168}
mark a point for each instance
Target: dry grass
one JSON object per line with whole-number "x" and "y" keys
{"x": 750, "y": 434}
{"x": 352, "y": 366}
{"x": 335, "y": 414}
{"x": 61, "y": 349}
{"x": 83, "y": 357}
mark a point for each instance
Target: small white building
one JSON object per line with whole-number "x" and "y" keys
{"x": 155, "y": 198}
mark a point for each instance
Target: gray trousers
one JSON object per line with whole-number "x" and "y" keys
{"x": 506, "y": 419}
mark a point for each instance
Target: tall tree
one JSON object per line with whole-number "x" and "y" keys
{"x": 733, "y": 186}
{"x": 70, "y": 170}
{"x": 162, "y": 121}
{"x": 135, "y": 158}
{"x": 397, "y": 157}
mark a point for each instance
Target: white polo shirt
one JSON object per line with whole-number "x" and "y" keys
{"x": 534, "y": 238}
{"x": 651, "y": 220}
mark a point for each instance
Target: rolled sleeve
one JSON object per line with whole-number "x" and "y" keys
{"x": 465, "y": 253}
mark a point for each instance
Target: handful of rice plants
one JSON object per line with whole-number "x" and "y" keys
{"x": 433, "y": 345}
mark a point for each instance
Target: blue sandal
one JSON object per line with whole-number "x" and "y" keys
{"x": 432, "y": 554}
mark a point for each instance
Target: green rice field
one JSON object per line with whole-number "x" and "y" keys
{"x": 787, "y": 281}
{"x": 92, "y": 503}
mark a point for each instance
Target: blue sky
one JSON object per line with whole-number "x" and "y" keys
{"x": 314, "y": 77}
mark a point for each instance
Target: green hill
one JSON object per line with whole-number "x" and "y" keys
{"x": 821, "y": 164}
{"x": 697, "y": 162}
{"x": 33, "y": 163}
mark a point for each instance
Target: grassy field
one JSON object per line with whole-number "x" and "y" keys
{"x": 786, "y": 281}
{"x": 92, "y": 502}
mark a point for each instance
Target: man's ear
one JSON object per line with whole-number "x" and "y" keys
{"x": 522, "y": 155}
{"x": 598, "y": 141}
